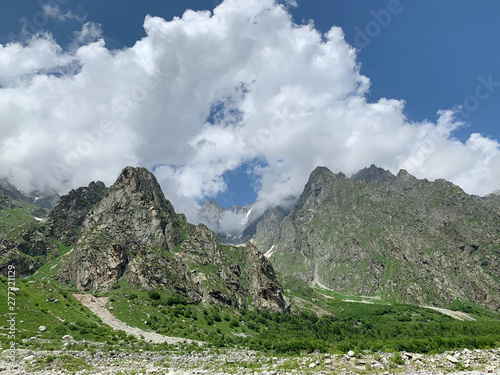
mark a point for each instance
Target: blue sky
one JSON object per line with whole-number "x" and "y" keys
{"x": 433, "y": 55}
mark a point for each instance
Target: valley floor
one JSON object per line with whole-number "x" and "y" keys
{"x": 181, "y": 361}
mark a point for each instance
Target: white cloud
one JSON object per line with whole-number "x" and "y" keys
{"x": 53, "y": 11}
{"x": 89, "y": 33}
{"x": 284, "y": 94}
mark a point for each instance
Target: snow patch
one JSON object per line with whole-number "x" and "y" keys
{"x": 269, "y": 252}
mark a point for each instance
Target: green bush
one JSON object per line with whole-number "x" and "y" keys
{"x": 154, "y": 295}
{"x": 175, "y": 299}
{"x": 397, "y": 360}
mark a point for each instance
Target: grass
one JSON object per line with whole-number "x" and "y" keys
{"x": 43, "y": 303}
{"x": 347, "y": 326}
{"x": 50, "y": 268}
{"x": 64, "y": 362}
{"x": 379, "y": 325}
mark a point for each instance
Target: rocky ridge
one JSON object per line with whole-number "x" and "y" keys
{"x": 398, "y": 237}
{"x": 69, "y": 213}
{"x": 134, "y": 233}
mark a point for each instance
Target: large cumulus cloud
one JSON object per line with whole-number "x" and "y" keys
{"x": 202, "y": 94}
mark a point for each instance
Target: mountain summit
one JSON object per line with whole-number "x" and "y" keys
{"x": 134, "y": 236}
{"x": 397, "y": 237}
{"x": 233, "y": 225}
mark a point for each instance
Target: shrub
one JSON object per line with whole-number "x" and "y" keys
{"x": 154, "y": 295}
{"x": 175, "y": 299}
{"x": 397, "y": 360}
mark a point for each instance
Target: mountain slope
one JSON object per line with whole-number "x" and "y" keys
{"x": 24, "y": 242}
{"x": 134, "y": 233}
{"x": 398, "y": 237}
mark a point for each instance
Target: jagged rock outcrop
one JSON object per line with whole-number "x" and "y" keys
{"x": 374, "y": 174}
{"x": 10, "y": 255}
{"x": 398, "y": 237}
{"x": 68, "y": 214}
{"x": 263, "y": 285}
{"x": 134, "y": 233}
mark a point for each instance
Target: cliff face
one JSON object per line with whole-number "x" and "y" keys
{"x": 68, "y": 214}
{"x": 398, "y": 237}
{"x": 134, "y": 233}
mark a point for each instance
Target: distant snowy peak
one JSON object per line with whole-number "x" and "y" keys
{"x": 46, "y": 199}
{"x": 229, "y": 224}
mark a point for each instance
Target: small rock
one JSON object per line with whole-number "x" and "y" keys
{"x": 312, "y": 365}
{"x": 29, "y": 358}
{"x": 42, "y": 328}
{"x": 351, "y": 353}
{"x": 452, "y": 359}
{"x": 328, "y": 361}
{"x": 67, "y": 337}
{"x": 408, "y": 355}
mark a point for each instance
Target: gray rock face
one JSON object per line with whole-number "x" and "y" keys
{"x": 267, "y": 228}
{"x": 68, "y": 214}
{"x": 135, "y": 234}
{"x": 374, "y": 174}
{"x": 412, "y": 240}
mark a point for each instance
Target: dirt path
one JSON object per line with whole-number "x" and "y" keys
{"x": 454, "y": 314}
{"x": 98, "y": 306}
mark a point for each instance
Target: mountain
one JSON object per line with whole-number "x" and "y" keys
{"x": 396, "y": 237}
{"x": 233, "y": 225}
{"x": 24, "y": 242}
{"x": 492, "y": 198}
{"x": 46, "y": 199}
{"x": 374, "y": 174}
{"x": 65, "y": 219}
{"x": 133, "y": 236}
{"x": 268, "y": 227}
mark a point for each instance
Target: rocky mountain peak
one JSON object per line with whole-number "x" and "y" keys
{"x": 140, "y": 184}
{"x": 233, "y": 225}
{"x": 134, "y": 233}
{"x": 71, "y": 209}
{"x": 415, "y": 239}
{"x": 320, "y": 172}
{"x": 403, "y": 174}
{"x": 374, "y": 174}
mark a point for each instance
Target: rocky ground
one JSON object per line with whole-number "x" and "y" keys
{"x": 215, "y": 361}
